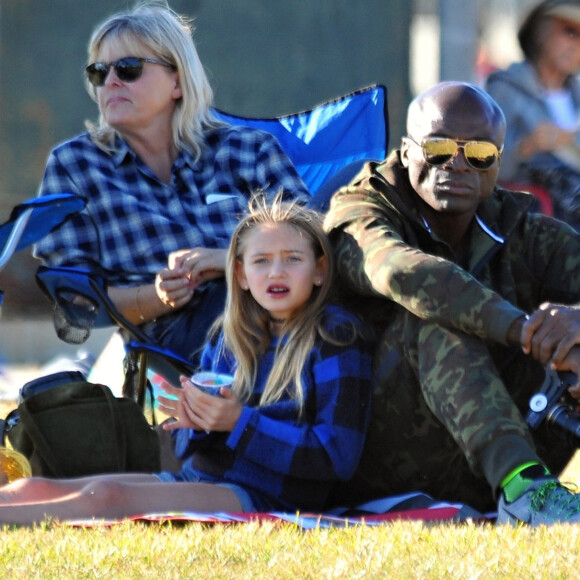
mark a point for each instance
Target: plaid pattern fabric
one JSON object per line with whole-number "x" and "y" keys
{"x": 133, "y": 220}
{"x": 293, "y": 462}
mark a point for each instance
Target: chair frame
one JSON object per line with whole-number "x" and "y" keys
{"x": 87, "y": 284}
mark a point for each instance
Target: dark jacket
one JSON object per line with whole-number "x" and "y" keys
{"x": 517, "y": 259}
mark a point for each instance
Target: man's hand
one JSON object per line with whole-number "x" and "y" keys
{"x": 551, "y": 332}
{"x": 571, "y": 363}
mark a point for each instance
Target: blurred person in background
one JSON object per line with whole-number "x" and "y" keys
{"x": 540, "y": 98}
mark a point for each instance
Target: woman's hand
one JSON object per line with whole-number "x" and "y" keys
{"x": 186, "y": 271}
{"x": 173, "y": 287}
{"x": 200, "y": 264}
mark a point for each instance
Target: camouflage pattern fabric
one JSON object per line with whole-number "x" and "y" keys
{"x": 449, "y": 397}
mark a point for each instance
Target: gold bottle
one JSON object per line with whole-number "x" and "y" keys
{"x": 13, "y": 465}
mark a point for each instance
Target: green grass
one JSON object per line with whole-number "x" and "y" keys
{"x": 237, "y": 551}
{"x": 398, "y": 550}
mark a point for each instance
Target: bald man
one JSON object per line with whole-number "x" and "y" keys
{"x": 471, "y": 296}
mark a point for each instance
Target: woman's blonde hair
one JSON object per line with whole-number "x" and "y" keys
{"x": 152, "y": 24}
{"x": 246, "y": 324}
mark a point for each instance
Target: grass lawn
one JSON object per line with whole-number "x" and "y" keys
{"x": 238, "y": 551}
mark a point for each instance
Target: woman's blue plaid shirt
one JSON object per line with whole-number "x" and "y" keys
{"x": 133, "y": 221}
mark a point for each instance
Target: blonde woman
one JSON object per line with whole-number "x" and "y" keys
{"x": 294, "y": 420}
{"x": 164, "y": 180}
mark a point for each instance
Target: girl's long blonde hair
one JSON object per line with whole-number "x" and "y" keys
{"x": 246, "y": 324}
{"x": 168, "y": 36}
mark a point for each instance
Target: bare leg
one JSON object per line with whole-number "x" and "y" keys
{"x": 38, "y": 489}
{"x": 108, "y": 498}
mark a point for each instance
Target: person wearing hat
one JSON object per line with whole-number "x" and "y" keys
{"x": 540, "y": 98}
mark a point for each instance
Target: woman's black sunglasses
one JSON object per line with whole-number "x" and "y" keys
{"x": 127, "y": 69}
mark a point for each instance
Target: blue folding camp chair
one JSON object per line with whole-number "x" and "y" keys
{"x": 323, "y": 141}
{"x": 327, "y": 145}
{"x": 31, "y": 220}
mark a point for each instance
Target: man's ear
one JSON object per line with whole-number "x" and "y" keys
{"x": 405, "y": 144}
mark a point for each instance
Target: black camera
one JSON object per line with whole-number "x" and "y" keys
{"x": 554, "y": 405}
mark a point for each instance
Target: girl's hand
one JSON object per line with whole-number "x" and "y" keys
{"x": 198, "y": 410}
{"x": 208, "y": 411}
{"x": 175, "y": 407}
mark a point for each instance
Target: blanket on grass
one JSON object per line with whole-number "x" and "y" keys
{"x": 412, "y": 506}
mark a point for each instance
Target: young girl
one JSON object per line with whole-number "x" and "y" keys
{"x": 295, "y": 418}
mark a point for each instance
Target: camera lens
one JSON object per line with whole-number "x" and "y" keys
{"x": 564, "y": 423}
